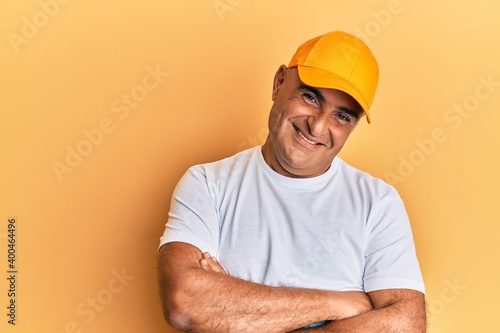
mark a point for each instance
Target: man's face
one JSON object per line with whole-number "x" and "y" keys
{"x": 307, "y": 126}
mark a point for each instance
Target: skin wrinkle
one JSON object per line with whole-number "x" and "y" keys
{"x": 318, "y": 94}
{"x": 323, "y": 120}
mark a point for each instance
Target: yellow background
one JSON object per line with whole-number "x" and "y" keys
{"x": 65, "y": 67}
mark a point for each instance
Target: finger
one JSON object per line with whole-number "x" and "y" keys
{"x": 216, "y": 266}
{"x": 207, "y": 262}
{"x": 210, "y": 263}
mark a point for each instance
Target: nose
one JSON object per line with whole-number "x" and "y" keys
{"x": 318, "y": 123}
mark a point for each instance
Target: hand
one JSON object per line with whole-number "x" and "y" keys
{"x": 209, "y": 263}
{"x": 352, "y": 303}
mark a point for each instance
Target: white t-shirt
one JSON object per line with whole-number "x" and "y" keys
{"x": 343, "y": 230}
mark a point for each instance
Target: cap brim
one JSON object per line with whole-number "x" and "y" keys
{"x": 319, "y": 78}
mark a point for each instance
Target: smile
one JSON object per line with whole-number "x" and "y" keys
{"x": 303, "y": 137}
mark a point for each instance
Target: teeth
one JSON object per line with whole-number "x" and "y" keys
{"x": 303, "y": 137}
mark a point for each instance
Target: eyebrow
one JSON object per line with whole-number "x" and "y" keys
{"x": 315, "y": 91}
{"x": 349, "y": 112}
{"x": 320, "y": 96}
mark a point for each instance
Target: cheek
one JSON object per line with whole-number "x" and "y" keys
{"x": 277, "y": 119}
{"x": 273, "y": 123}
{"x": 340, "y": 136}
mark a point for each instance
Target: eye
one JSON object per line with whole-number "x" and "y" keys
{"x": 310, "y": 98}
{"x": 342, "y": 116}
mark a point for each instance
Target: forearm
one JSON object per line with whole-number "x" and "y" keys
{"x": 405, "y": 316}
{"x": 214, "y": 302}
{"x": 201, "y": 297}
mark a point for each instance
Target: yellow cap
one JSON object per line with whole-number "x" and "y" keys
{"x": 338, "y": 60}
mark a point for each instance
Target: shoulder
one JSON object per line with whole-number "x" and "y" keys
{"x": 243, "y": 157}
{"x": 363, "y": 180}
{"x": 224, "y": 168}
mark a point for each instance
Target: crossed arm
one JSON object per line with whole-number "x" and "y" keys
{"x": 198, "y": 296}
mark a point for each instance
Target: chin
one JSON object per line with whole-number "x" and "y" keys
{"x": 301, "y": 169}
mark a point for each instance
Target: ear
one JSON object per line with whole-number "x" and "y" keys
{"x": 279, "y": 78}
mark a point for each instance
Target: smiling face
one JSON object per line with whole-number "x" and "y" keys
{"x": 307, "y": 126}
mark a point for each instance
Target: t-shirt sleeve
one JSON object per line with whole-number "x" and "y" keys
{"x": 390, "y": 257}
{"x": 193, "y": 217}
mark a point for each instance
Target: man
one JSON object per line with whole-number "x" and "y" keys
{"x": 288, "y": 237}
